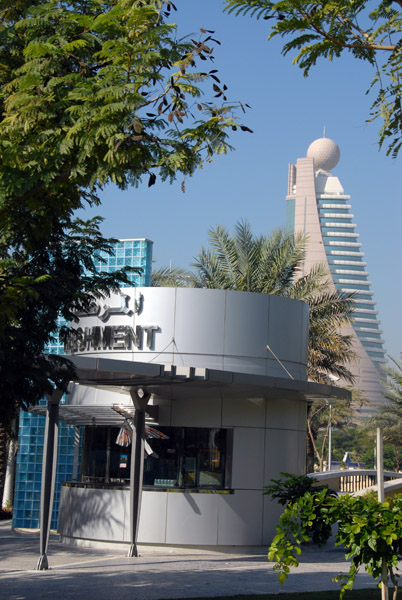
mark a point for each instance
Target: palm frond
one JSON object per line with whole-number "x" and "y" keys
{"x": 224, "y": 248}
{"x": 316, "y": 281}
{"x": 334, "y": 309}
{"x": 209, "y": 272}
{"x": 393, "y": 383}
{"x": 272, "y": 265}
{"x": 172, "y": 277}
{"x": 247, "y": 247}
{"x": 281, "y": 256}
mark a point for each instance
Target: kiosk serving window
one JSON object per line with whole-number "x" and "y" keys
{"x": 190, "y": 457}
{"x": 186, "y": 457}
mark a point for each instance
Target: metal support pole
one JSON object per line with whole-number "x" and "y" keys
{"x": 108, "y": 446}
{"x": 48, "y": 474}
{"x": 381, "y": 498}
{"x": 76, "y": 452}
{"x": 380, "y": 466}
{"x": 330, "y": 439}
{"x": 140, "y": 399}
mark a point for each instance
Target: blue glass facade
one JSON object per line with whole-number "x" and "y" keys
{"x": 129, "y": 253}
{"x": 133, "y": 253}
{"x": 29, "y": 469}
{"x": 348, "y": 270}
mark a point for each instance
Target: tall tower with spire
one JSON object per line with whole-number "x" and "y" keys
{"x": 318, "y": 206}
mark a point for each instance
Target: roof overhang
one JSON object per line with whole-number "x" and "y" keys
{"x": 175, "y": 382}
{"x": 171, "y": 381}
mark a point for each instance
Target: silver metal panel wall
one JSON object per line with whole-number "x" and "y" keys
{"x": 218, "y": 329}
{"x": 268, "y": 437}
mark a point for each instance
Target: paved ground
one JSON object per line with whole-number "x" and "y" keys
{"x": 88, "y": 574}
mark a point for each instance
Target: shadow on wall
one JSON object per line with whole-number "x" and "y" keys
{"x": 94, "y": 514}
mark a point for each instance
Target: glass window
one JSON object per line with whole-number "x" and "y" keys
{"x": 333, "y": 211}
{"x": 347, "y": 248}
{"x": 364, "y": 334}
{"x": 344, "y": 229}
{"x": 372, "y": 345}
{"x": 188, "y": 457}
{"x": 351, "y": 276}
{"x": 191, "y": 457}
{"x": 351, "y": 285}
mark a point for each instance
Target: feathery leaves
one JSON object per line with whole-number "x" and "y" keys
{"x": 369, "y": 31}
{"x": 91, "y": 93}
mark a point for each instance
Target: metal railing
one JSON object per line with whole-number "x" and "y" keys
{"x": 352, "y": 480}
{"x": 354, "y": 483}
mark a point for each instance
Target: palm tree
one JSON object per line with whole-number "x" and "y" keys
{"x": 247, "y": 263}
{"x": 393, "y": 383}
{"x": 329, "y": 351}
{"x": 172, "y": 277}
{"x": 390, "y": 416}
{"x": 273, "y": 265}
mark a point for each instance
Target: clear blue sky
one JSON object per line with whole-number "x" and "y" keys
{"x": 288, "y": 112}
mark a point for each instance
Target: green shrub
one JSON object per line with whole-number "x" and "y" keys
{"x": 289, "y": 489}
{"x": 370, "y": 532}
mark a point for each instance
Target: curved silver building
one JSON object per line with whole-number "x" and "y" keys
{"x": 318, "y": 206}
{"x": 189, "y": 402}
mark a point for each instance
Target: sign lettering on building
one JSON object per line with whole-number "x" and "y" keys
{"x": 111, "y": 337}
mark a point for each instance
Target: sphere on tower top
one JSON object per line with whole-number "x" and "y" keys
{"x": 325, "y": 153}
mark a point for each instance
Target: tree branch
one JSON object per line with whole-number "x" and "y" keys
{"x": 364, "y": 34}
{"x": 333, "y": 40}
{"x": 310, "y": 432}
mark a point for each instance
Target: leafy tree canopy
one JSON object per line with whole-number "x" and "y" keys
{"x": 91, "y": 92}
{"x": 71, "y": 282}
{"x": 95, "y": 92}
{"x": 99, "y": 91}
{"x": 370, "y": 31}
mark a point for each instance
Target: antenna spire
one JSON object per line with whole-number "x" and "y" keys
{"x": 323, "y": 135}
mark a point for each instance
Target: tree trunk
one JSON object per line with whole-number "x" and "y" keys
{"x": 8, "y": 492}
{"x": 397, "y": 459}
{"x": 384, "y": 581}
{"x": 3, "y": 460}
{"x": 309, "y": 455}
{"x": 395, "y": 583}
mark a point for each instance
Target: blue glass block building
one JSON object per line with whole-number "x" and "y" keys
{"x": 133, "y": 253}
{"x": 129, "y": 253}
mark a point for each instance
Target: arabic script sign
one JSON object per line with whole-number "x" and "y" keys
{"x": 105, "y": 311}
{"x": 111, "y": 337}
